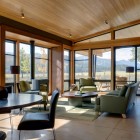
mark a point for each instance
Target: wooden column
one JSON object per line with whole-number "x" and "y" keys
{"x": 112, "y": 62}
{"x": 2, "y": 55}
{"x": 90, "y": 63}
{"x": 32, "y": 44}
{"x": 72, "y": 67}
{"x": 50, "y": 72}
{"x": 57, "y": 69}
{"x": 17, "y": 62}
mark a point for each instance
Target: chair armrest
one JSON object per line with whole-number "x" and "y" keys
{"x": 97, "y": 101}
{"x": 43, "y": 87}
{"x": 114, "y": 104}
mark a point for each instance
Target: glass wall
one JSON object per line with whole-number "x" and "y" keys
{"x": 9, "y": 60}
{"x": 101, "y": 68}
{"x": 138, "y": 63}
{"x": 81, "y": 65}
{"x": 125, "y": 65}
{"x": 41, "y": 63}
{"x": 129, "y": 32}
{"x": 97, "y": 38}
{"x": 66, "y": 70}
{"x": 25, "y": 62}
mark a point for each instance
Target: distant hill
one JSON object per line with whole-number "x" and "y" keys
{"x": 104, "y": 65}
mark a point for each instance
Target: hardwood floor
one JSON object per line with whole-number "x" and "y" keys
{"x": 105, "y": 127}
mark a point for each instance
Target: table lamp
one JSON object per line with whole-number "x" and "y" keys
{"x": 129, "y": 70}
{"x": 15, "y": 70}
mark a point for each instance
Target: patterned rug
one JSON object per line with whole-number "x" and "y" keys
{"x": 65, "y": 111}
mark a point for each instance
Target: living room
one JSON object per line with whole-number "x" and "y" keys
{"x": 103, "y": 46}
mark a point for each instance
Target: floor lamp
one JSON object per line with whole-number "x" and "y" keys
{"x": 129, "y": 70}
{"x": 15, "y": 70}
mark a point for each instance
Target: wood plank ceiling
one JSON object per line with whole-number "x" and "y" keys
{"x": 76, "y": 17}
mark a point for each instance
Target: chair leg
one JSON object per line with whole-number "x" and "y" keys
{"x": 124, "y": 116}
{"x": 53, "y": 133}
{"x": 11, "y": 123}
{"x": 45, "y": 106}
{"x": 19, "y": 134}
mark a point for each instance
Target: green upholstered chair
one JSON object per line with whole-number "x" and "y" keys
{"x": 24, "y": 86}
{"x": 118, "y": 101}
{"x": 87, "y": 85}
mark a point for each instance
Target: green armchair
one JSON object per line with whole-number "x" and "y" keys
{"x": 24, "y": 87}
{"x": 87, "y": 85}
{"x": 118, "y": 101}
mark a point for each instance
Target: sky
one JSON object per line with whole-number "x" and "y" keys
{"x": 121, "y": 54}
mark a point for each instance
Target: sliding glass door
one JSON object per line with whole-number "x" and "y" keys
{"x": 81, "y": 65}
{"x": 101, "y": 68}
{"x": 125, "y": 66}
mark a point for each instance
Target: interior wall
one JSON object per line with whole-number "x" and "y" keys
{"x": 57, "y": 69}
{"x": 2, "y": 55}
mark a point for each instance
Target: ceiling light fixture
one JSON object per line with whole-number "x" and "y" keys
{"x": 106, "y": 21}
{"x": 22, "y": 15}
{"x": 70, "y": 35}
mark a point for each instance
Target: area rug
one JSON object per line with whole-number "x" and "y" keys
{"x": 65, "y": 111}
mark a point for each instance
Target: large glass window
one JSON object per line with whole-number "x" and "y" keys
{"x": 128, "y": 32}
{"x": 41, "y": 63}
{"x": 138, "y": 63}
{"x": 97, "y": 38}
{"x": 101, "y": 68}
{"x": 66, "y": 70}
{"x": 125, "y": 65}
{"x": 25, "y": 62}
{"x": 9, "y": 60}
{"x": 81, "y": 65}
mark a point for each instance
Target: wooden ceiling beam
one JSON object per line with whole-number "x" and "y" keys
{"x": 28, "y": 34}
{"x": 107, "y": 43}
{"x": 107, "y": 31}
{"x": 34, "y": 31}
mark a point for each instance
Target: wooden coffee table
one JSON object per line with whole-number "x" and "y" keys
{"x": 77, "y": 100}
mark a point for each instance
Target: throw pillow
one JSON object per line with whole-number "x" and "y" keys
{"x": 123, "y": 90}
{"x": 86, "y": 82}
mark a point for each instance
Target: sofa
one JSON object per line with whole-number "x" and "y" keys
{"x": 87, "y": 85}
{"x": 118, "y": 101}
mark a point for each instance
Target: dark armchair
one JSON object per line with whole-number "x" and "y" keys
{"x": 40, "y": 120}
{"x": 2, "y": 135}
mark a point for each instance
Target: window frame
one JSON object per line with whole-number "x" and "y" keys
{"x": 38, "y": 58}
{"x": 14, "y": 57}
{"x": 69, "y": 60}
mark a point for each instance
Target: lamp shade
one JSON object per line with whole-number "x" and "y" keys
{"x": 130, "y": 69}
{"x": 15, "y": 69}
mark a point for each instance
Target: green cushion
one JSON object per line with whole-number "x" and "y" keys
{"x": 86, "y": 82}
{"x": 24, "y": 86}
{"x": 114, "y": 93}
{"x": 97, "y": 101}
{"x": 88, "y": 88}
{"x": 44, "y": 95}
{"x": 123, "y": 91}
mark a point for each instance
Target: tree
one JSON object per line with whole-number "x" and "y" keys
{"x": 42, "y": 66}
{"x": 24, "y": 62}
{"x": 133, "y": 54}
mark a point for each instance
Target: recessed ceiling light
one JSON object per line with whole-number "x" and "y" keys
{"x": 70, "y": 35}
{"x": 22, "y": 15}
{"x": 106, "y": 21}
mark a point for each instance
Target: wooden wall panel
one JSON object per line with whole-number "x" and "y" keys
{"x": 57, "y": 69}
{"x": 2, "y": 56}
